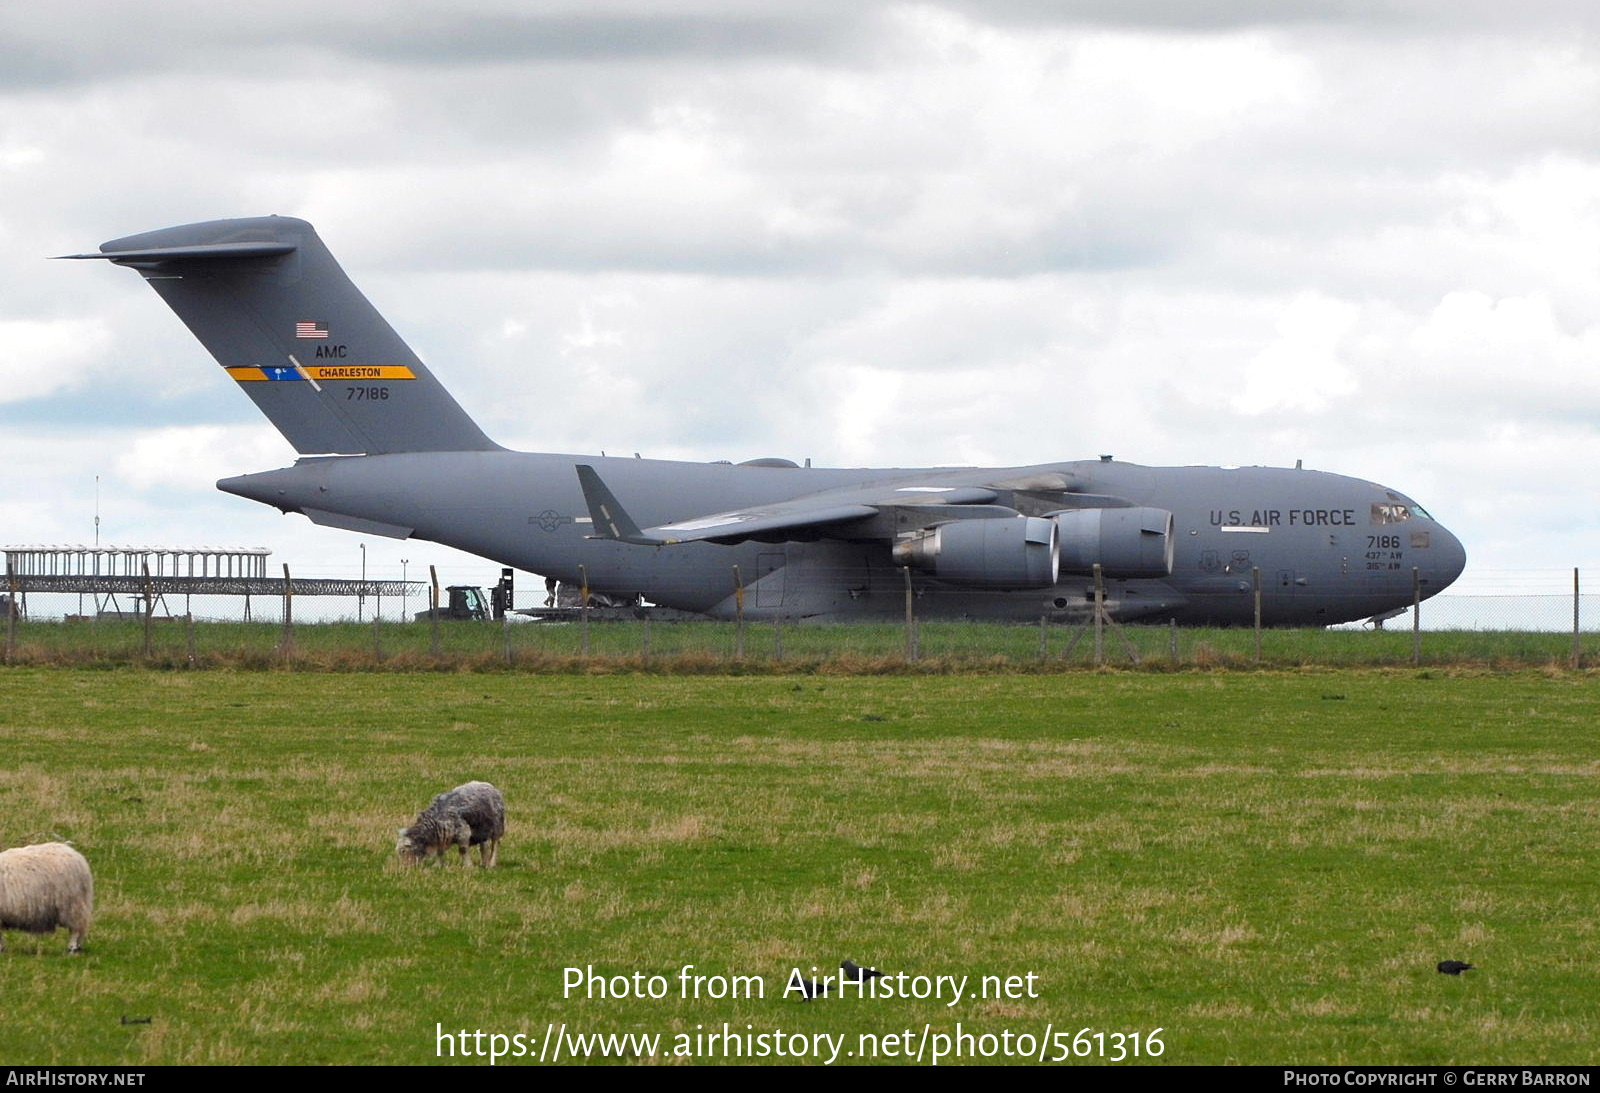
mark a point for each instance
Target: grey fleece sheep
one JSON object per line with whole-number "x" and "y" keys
{"x": 469, "y": 815}
{"x": 45, "y": 886}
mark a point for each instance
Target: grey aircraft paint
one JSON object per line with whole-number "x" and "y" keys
{"x": 385, "y": 450}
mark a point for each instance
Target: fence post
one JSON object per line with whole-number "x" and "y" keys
{"x": 738, "y": 615}
{"x": 377, "y": 645}
{"x": 1416, "y": 616}
{"x": 911, "y": 621}
{"x": 777, "y": 638}
{"x": 11, "y": 612}
{"x": 1172, "y": 641}
{"x": 1577, "y": 647}
{"x": 1099, "y": 616}
{"x": 149, "y": 604}
{"x": 189, "y": 619}
{"x": 286, "y": 642}
{"x": 433, "y": 613}
{"x": 583, "y": 607}
{"x": 1044, "y": 638}
{"x": 505, "y": 619}
{"x": 1255, "y": 584}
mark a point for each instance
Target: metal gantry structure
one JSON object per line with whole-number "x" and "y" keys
{"x": 150, "y": 574}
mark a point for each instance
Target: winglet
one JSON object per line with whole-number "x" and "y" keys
{"x": 611, "y": 521}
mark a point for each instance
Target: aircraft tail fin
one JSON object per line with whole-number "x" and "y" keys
{"x": 267, "y": 299}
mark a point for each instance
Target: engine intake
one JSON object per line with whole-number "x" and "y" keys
{"x": 1006, "y": 552}
{"x": 1126, "y": 542}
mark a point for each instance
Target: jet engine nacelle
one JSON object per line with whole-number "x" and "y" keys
{"x": 1010, "y": 552}
{"x": 1128, "y": 542}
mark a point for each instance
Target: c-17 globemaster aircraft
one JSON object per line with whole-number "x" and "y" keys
{"x": 385, "y": 450}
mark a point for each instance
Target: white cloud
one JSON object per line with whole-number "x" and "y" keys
{"x": 40, "y": 357}
{"x": 1239, "y": 232}
{"x": 186, "y": 457}
{"x": 1302, "y": 370}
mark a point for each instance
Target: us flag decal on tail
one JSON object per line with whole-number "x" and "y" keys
{"x": 311, "y": 330}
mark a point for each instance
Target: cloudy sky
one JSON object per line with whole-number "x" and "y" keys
{"x": 1360, "y": 233}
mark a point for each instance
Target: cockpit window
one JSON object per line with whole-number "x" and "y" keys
{"x": 1384, "y": 512}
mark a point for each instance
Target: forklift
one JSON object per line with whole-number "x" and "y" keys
{"x": 467, "y": 602}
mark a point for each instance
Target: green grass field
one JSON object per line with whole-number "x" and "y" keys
{"x": 1264, "y": 866}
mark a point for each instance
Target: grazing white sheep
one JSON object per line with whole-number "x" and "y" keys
{"x": 43, "y": 887}
{"x": 469, "y": 815}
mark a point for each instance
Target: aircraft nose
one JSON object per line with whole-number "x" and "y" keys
{"x": 1446, "y": 558}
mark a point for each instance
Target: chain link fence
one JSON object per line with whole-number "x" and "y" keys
{"x": 1505, "y": 618}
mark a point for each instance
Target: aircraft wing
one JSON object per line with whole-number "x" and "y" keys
{"x": 813, "y": 515}
{"x": 742, "y": 524}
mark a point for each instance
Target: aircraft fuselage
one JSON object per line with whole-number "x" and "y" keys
{"x": 1326, "y": 548}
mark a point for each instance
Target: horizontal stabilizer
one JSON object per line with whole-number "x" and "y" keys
{"x": 191, "y": 253}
